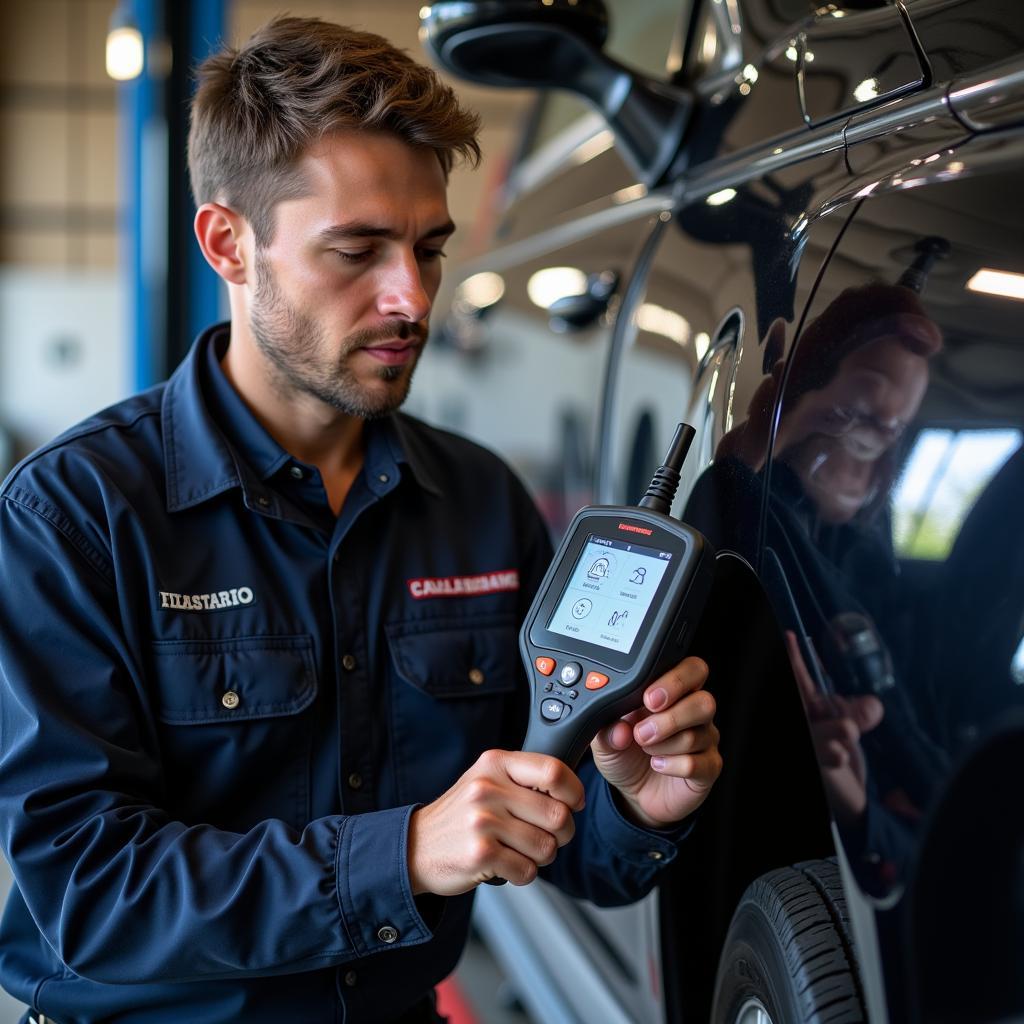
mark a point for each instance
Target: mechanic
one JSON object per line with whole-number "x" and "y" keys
{"x": 261, "y": 697}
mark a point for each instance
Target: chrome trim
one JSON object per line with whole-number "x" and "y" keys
{"x": 998, "y": 90}
{"x": 550, "y": 159}
{"x": 572, "y": 231}
{"x": 898, "y": 115}
{"x": 782, "y": 151}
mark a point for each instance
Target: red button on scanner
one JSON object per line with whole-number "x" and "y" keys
{"x": 545, "y": 666}
{"x": 595, "y": 680}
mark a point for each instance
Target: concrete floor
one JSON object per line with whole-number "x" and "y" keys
{"x": 10, "y": 1011}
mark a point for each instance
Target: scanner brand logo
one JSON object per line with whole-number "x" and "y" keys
{"x": 464, "y": 586}
{"x": 630, "y": 528}
{"x": 206, "y": 602}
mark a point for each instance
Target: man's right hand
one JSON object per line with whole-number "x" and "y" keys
{"x": 505, "y": 818}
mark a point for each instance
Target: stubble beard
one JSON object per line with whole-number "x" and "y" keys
{"x": 296, "y": 348}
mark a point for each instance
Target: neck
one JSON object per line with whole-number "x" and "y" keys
{"x": 310, "y": 430}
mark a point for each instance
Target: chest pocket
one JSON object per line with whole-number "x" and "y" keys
{"x": 236, "y": 734}
{"x": 453, "y": 696}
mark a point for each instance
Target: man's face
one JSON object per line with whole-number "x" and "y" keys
{"x": 847, "y": 428}
{"x": 342, "y": 296}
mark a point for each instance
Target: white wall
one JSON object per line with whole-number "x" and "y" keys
{"x": 63, "y": 349}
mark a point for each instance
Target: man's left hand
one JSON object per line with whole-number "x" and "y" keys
{"x": 663, "y": 758}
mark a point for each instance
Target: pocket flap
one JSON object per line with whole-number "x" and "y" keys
{"x": 456, "y": 657}
{"x": 233, "y": 680}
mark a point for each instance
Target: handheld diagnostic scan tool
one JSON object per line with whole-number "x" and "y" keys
{"x": 615, "y": 610}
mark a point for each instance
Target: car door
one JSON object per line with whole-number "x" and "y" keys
{"x": 893, "y": 541}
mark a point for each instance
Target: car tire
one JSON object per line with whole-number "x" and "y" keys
{"x": 788, "y": 957}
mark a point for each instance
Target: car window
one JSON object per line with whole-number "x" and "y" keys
{"x": 895, "y": 486}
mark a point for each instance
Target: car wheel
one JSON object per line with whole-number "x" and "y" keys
{"x": 788, "y": 957}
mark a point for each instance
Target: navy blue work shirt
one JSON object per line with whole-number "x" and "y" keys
{"x": 220, "y": 703}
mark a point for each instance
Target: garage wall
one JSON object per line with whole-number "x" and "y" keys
{"x": 64, "y": 351}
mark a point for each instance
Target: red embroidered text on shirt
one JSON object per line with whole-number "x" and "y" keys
{"x": 464, "y": 586}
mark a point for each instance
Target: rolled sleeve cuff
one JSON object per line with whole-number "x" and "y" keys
{"x": 374, "y": 893}
{"x": 635, "y": 844}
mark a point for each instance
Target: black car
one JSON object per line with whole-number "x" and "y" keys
{"x": 801, "y": 230}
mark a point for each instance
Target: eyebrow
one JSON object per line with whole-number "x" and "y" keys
{"x": 363, "y": 229}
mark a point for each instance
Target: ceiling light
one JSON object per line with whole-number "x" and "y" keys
{"x": 125, "y": 50}
{"x": 723, "y": 196}
{"x": 998, "y": 282}
{"x": 658, "y": 320}
{"x": 481, "y": 290}
{"x": 552, "y": 283}
{"x": 867, "y": 90}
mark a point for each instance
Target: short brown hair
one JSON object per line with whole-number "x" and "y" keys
{"x": 259, "y": 107}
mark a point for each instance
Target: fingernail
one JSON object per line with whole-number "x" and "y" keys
{"x": 646, "y": 732}
{"x": 657, "y": 699}
{"x": 658, "y": 763}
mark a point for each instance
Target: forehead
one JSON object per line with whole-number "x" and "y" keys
{"x": 372, "y": 175}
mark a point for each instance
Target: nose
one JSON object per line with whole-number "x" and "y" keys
{"x": 402, "y": 291}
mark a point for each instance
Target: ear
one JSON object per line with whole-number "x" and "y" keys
{"x": 220, "y": 232}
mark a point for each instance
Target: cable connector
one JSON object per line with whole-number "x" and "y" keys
{"x": 661, "y": 491}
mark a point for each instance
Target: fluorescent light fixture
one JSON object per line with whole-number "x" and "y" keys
{"x": 125, "y": 53}
{"x": 666, "y": 322}
{"x": 867, "y": 90}
{"x": 719, "y": 198}
{"x": 998, "y": 282}
{"x": 553, "y": 283}
{"x": 481, "y": 290}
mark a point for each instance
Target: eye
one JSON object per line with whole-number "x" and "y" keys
{"x": 431, "y": 255}
{"x": 354, "y": 257}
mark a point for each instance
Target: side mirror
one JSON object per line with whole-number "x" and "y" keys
{"x": 557, "y": 44}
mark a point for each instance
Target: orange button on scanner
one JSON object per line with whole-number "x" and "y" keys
{"x": 595, "y": 680}
{"x": 545, "y": 666}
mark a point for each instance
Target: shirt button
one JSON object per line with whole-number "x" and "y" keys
{"x": 351, "y": 978}
{"x": 230, "y": 700}
{"x": 476, "y": 677}
{"x": 296, "y": 471}
{"x": 655, "y": 855}
{"x": 383, "y": 478}
{"x": 387, "y": 934}
{"x": 262, "y": 500}
{"x": 348, "y": 663}
{"x": 355, "y": 780}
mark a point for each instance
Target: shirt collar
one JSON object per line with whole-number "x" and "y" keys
{"x": 212, "y": 440}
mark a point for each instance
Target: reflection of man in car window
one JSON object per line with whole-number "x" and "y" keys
{"x": 839, "y": 435}
{"x": 855, "y": 380}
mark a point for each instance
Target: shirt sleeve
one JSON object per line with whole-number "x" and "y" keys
{"x": 120, "y": 890}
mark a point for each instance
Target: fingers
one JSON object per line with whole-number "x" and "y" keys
{"x": 689, "y": 675}
{"x": 505, "y": 817}
{"x": 541, "y": 772}
{"x": 681, "y": 713}
{"x": 699, "y": 771}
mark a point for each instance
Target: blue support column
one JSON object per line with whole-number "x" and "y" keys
{"x": 142, "y": 133}
{"x": 208, "y": 26}
{"x": 171, "y": 292}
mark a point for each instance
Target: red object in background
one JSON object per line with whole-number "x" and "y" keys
{"x": 451, "y": 1003}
